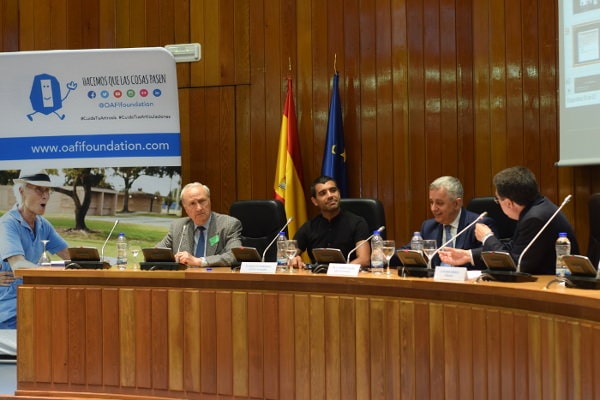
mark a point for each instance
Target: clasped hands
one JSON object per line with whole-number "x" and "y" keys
{"x": 452, "y": 256}
{"x": 184, "y": 257}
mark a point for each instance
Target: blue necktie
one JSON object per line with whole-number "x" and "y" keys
{"x": 448, "y": 230}
{"x": 200, "y": 245}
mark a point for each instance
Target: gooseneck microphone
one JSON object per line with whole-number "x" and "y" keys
{"x": 565, "y": 201}
{"x": 290, "y": 219}
{"x": 483, "y": 214}
{"x": 380, "y": 229}
{"x": 107, "y": 238}
{"x": 182, "y": 236}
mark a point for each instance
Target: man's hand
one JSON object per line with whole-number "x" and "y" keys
{"x": 297, "y": 262}
{"x": 452, "y": 256}
{"x": 481, "y": 230}
{"x": 6, "y": 278}
{"x": 183, "y": 257}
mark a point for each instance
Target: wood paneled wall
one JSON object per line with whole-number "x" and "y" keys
{"x": 428, "y": 88}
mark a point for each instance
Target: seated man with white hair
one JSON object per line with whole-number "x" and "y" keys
{"x": 23, "y": 228}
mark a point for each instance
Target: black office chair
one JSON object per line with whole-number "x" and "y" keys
{"x": 261, "y": 222}
{"x": 504, "y": 225}
{"x": 594, "y": 219}
{"x": 370, "y": 209}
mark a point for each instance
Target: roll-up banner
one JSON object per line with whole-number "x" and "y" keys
{"x": 89, "y": 108}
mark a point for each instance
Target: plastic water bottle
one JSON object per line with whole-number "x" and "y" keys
{"x": 282, "y": 260}
{"x": 416, "y": 243}
{"x": 121, "y": 251}
{"x": 563, "y": 248}
{"x": 377, "y": 256}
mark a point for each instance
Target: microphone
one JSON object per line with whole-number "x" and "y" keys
{"x": 483, "y": 214}
{"x": 380, "y": 229}
{"x": 182, "y": 236}
{"x": 565, "y": 201}
{"x": 108, "y": 237}
{"x": 290, "y": 219}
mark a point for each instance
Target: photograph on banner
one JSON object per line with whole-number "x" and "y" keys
{"x": 103, "y": 125}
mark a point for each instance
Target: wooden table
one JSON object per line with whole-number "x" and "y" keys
{"x": 207, "y": 335}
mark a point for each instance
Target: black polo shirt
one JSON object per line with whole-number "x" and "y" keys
{"x": 342, "y": 232}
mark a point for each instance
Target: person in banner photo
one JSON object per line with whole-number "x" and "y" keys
{"x": 204, "y": 238}
{"x": 24, "y": 230}
{"x": 333, "y": 227}
{"x": 334, "y": 155}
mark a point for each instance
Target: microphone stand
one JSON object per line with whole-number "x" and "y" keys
{"x": 380, "y": 229}
{"x": 107, "y": 238}
{"x": 182, "y": 236}
{"x": 290, "y": 219}
{"x": 565, "y": 201}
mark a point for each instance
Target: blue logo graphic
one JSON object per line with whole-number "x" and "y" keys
{"x": 45, "y": 95}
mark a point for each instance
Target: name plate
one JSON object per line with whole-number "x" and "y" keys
{"x": 455, "y": 274}
{"x": 335, "y": 269}
{"x": 258, "y": 267}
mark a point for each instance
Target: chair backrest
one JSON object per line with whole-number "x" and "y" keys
{"x": 370, "y": 209}
{"x": 504, "y": 225}
{"x": 594, "y": 223}
{"x": 261, "y": 222}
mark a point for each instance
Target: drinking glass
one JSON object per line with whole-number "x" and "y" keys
{"x": 45, "y": 259}
{"x": 291, "y": 249}
{"x": 429, "y": 247}
{"x": 135, "y": 252}
{"x": 388, "y": 248}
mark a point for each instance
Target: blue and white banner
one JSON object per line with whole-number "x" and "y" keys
{"x": 89, "y": 108}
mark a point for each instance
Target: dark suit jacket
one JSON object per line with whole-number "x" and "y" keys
{"x": 431, "y": 229}
{"x": 540, "y": 258}
{"x": 224, "y": 233}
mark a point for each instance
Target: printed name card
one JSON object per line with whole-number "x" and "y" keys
{"x": 335, "y": 269}
{"x": 258, "y": 267}
{"x": 455, "y": 274}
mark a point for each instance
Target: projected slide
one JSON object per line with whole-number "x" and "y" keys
{"x": 579, "y": 82}
{"x": 581, "y": 55}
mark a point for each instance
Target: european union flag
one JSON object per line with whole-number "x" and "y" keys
{"x": 334, "y": 156}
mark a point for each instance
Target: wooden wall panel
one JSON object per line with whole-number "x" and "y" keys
{"x": 428, "y": 88}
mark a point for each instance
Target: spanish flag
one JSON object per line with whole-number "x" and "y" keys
{"x": 288, "y": 173}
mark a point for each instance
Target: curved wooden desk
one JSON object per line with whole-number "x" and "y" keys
{"x": 209, "y": 335}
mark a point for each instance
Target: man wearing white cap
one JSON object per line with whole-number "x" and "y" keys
{"x": 22, "y": 230}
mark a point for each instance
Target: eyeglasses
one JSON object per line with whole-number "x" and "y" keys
{"x": 41, "y": 191}
{"x": 498, "y": 200}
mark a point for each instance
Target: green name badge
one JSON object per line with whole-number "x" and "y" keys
{"x": 213, "y": 240}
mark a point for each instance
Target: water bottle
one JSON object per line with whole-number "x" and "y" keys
{"x": 121, "y": 251}
{"x": 563, "y": 248}
{"x": 282, "y": 260}
{"x": 416, "y": 243}
{"x": 377, "y": 256}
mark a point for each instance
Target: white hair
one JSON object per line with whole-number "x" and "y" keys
{"x": 17, "y": 192}
{"x": 191, "y": 185}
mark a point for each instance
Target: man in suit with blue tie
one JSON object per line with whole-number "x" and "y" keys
{"x": 204, "y": 238}
{"x": 450, "y": 217}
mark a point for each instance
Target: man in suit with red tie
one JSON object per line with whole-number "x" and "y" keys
{"x": 450, "y": 217}
{"x": 204, "y": 238}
